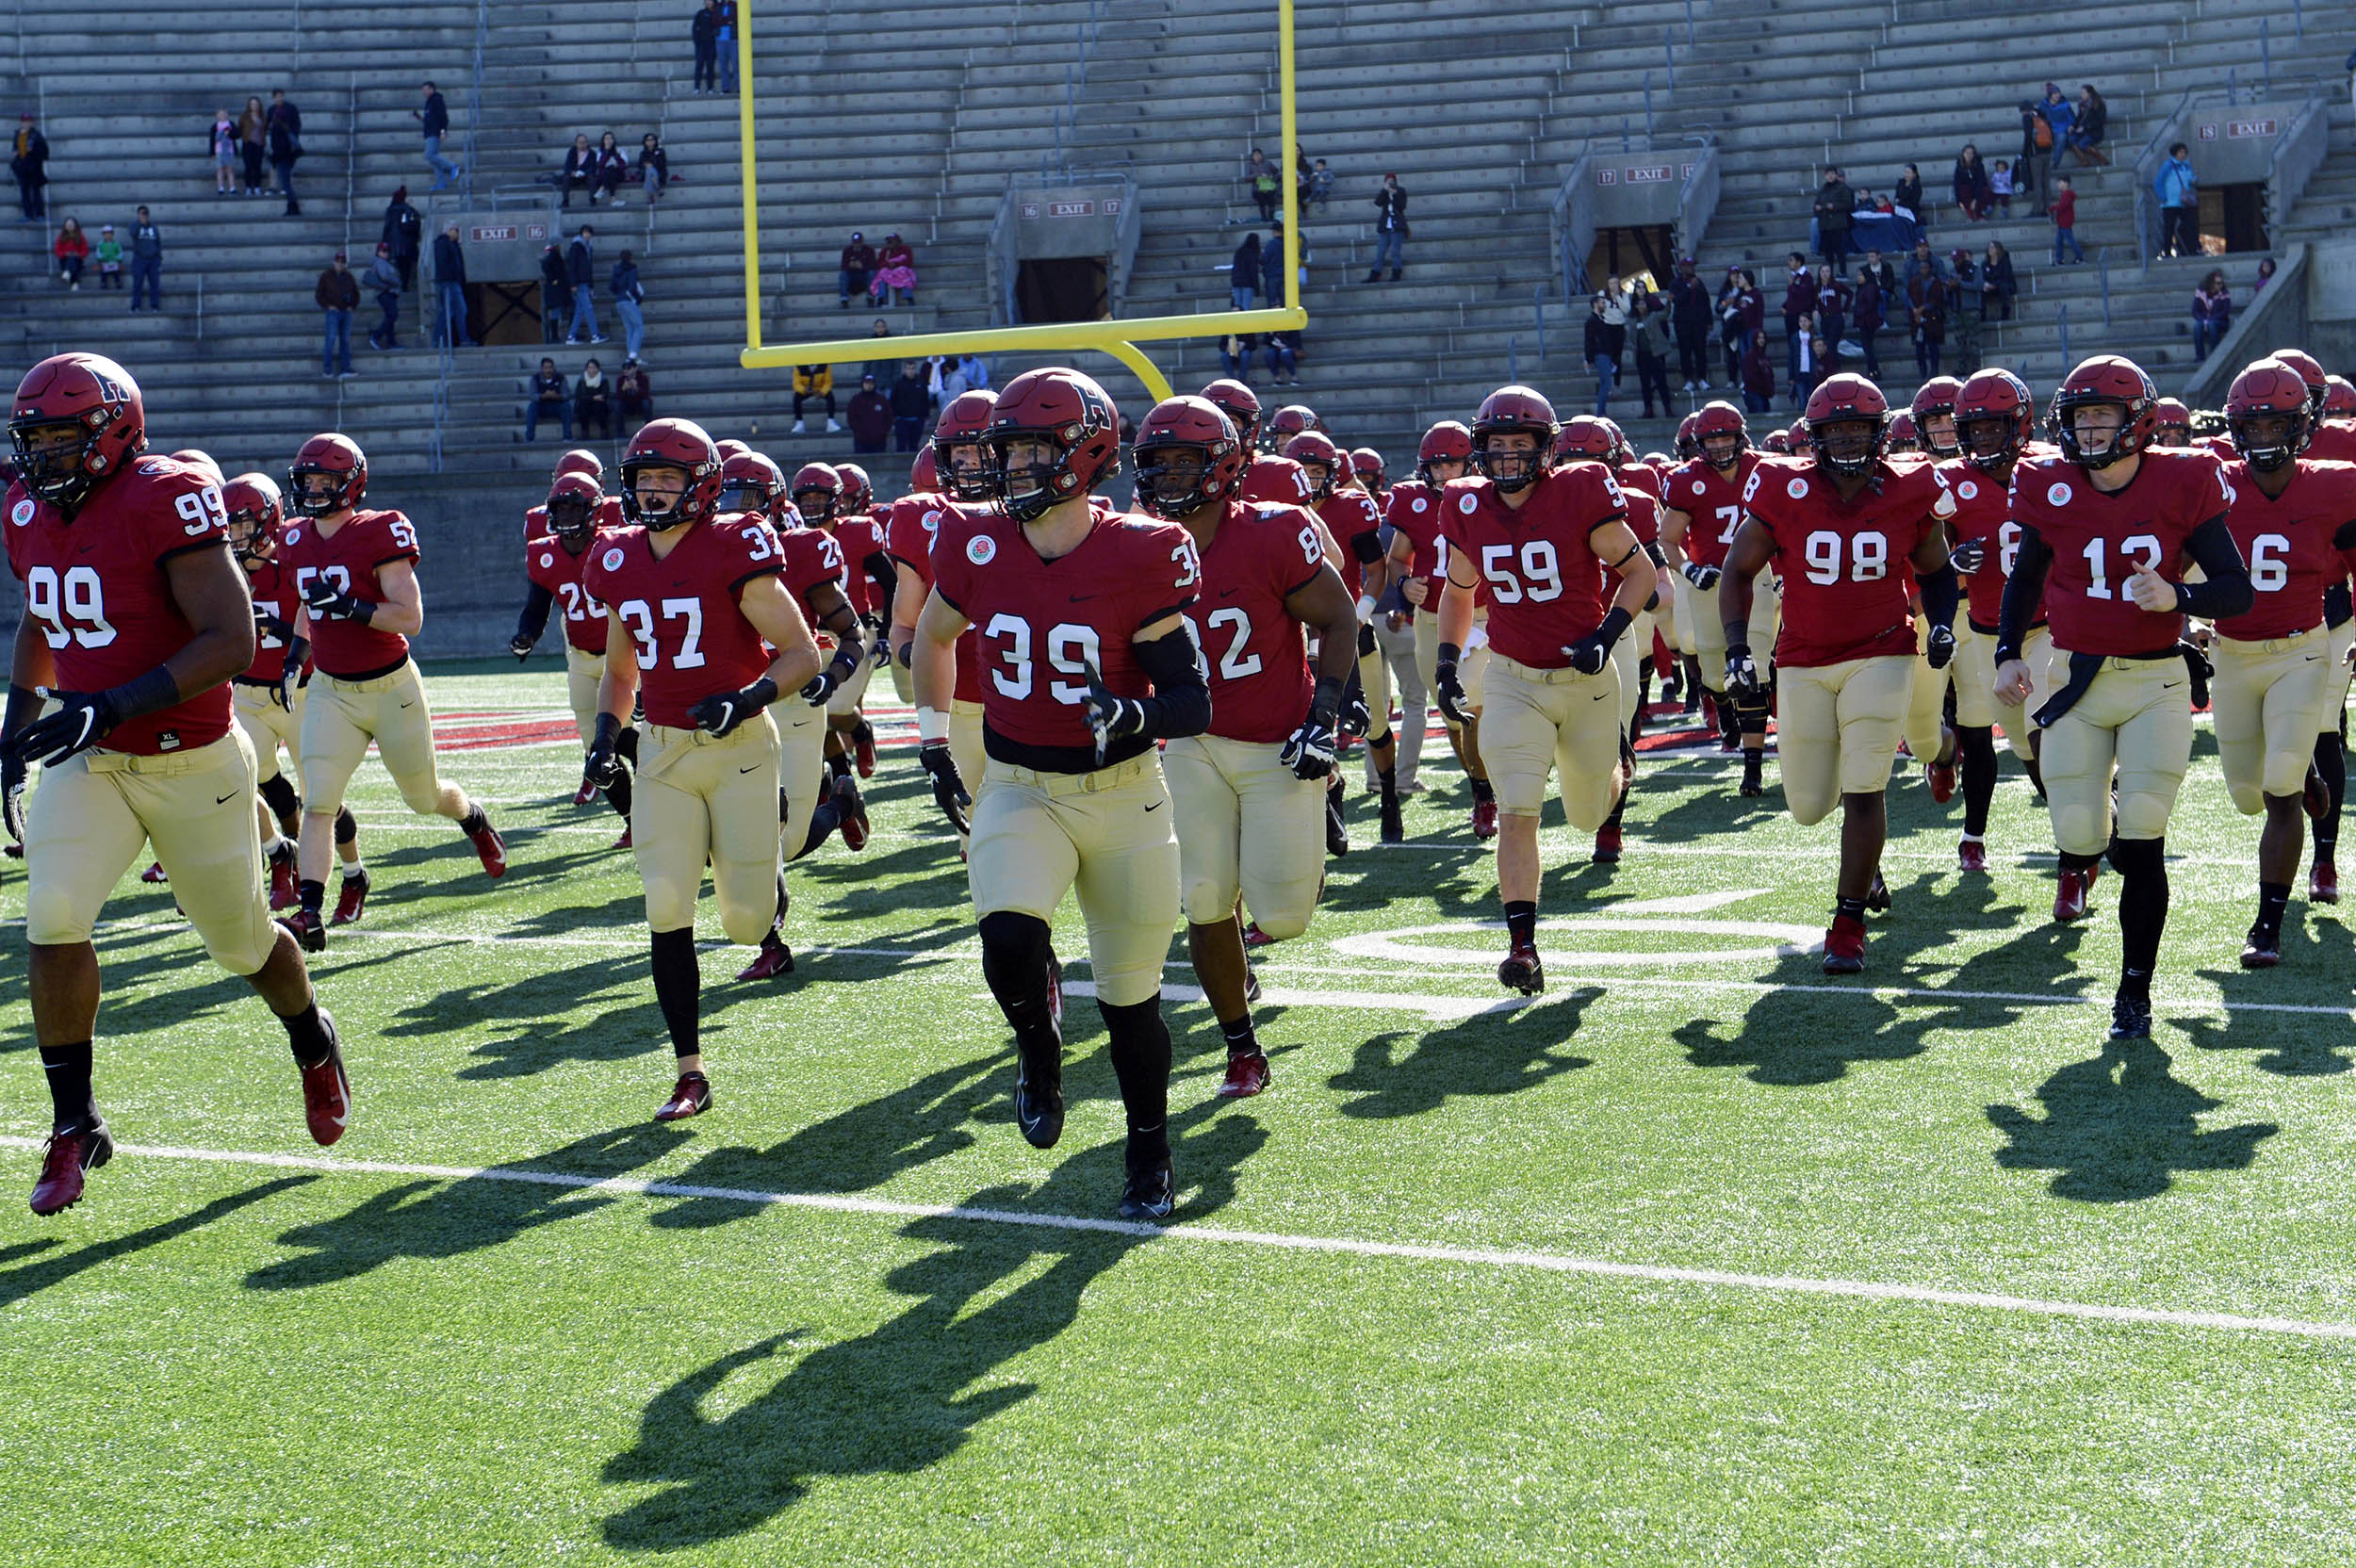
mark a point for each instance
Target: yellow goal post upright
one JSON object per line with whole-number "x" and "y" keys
{"x": 1118, "y": 338}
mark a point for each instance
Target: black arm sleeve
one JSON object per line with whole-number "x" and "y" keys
{"x": 1367, "y": 547}
{"x": 2227, "y": 592}
{"x": 1181, "y": 703}
{"x": 535, "y": 620}
{"x": 887, "y": 578}
{"x": 2024, "y": 591}
{"x": 1942, "y": 590}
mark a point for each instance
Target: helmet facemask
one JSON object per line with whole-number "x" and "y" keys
{"x": 2073, "y": 444}
{"x": 1025, "y": 467}
{"x": 315, "y": 492}
{"x": 2269, "y": 440}
{"x": 965, "y": 471}
{"x": 570, "y": 517}
{"x": 649, "y": 497}
{"x": 52, "y": 457}
{"x": 1172, "y": 477}
{"x": 1849, "y": 445}
{"x": 1510, "y": 465}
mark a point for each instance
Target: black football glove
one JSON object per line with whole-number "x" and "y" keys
{"x": 720, "y": 713}
{"x": 326, "y": 604}
{"x": 267, "y": 625}
{"x": 830, "y": 680}
{"x": 603, "y": 764}
{"x": 1741, "y": 672}
{"x": 1969, "y": 556}
{"x": 881, "y": 651}
{"x": 1111, "y": 717}
{"x": 81, "y": 722}
{"x": 520, "y": 645}
{"x": 2196, "y": 665}
{"x": 1309, "y": 750}
{"x": 1701, "y": 575}
{"x": 1940, "y": 651}
{"x": 1367, "y": 645}
{"x": 948, "y": 788}
{"x": 12, "y": 774}
{"x": 1356, "y": 718}
{"x": 1449, "y": 689}
{"x": 1590, "y": 654}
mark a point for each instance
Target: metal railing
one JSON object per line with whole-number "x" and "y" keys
{"x": 2297, "y": 152}
{"x": 352, "y": 153}
{"x": 2277, "y": 313}
{"x": 1076, "y": 81}
{"x": 474, "y": 98}
{"x": 1571, "y": 217}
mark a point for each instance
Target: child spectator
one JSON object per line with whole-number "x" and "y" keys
{"x": 1320, "y": 185}
{"x": 1999, "y": 185}
{"x": 2064, "y": 208}
{"x": 224, "y": 150}
{"x": 110, "y": 259}
{"x": 71, "y": 250}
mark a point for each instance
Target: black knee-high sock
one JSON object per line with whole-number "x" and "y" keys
{"x": 1018, "y": 958}
{"x": 2330, "y": 762}
{"x": 2142, "y": 867}
{"x": 1692, "y": 667}
{"x": 1138, "y": 1045}
{"x": 1976, "y": 748}
{"x": 679, "y": 988}
{"x": 71, "y": 1100}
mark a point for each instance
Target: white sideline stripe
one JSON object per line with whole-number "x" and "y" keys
{"x": 1551, "y": 1263}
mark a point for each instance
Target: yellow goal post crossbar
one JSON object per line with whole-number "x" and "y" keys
{"x": 1118, "y": 338}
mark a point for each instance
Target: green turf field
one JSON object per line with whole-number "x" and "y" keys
{"x": 1700, "y": 1257}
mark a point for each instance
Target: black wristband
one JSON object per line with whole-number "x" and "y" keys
{"x": 608, "y": 733}
{"x": 762, "y": 693}
{"x": 1615, "y": 621}
{"x": 361, "y": 610}
{"x": 297, "y": 651}
{"x": 2007, "y": 653}
{"x": 147, "y": 694}
{"x": 1325, "y": 701}
{"x": 1448, "y": 656}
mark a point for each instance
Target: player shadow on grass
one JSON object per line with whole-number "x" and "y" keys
{"x": 1494, "y": 1053}
{"x": 599, "y": 1011}
{"x": 1809, "y": 1035}
{"x": 2295, "y": 1048}
{"x": 2119, "y": 1126}
{"x": 1710, "y": 808}
{"x": 435, "y": 1218}
{"x": 48, "y": 1267}
{"x": 905, "y": 1396}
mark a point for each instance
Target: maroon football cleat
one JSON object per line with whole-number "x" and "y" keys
{"x": 690, "y": 1095}
{"x": 154, "y": 874}
{"x": 623, "y": 842}
{"x": 1247, "y": 1075}
{"x": 1521, "y": 971}
{"x": 2323, "y": 883}
{"x": 1877, "y": 899}
{"x": 2070, "y": 898}
{"x": 327, "y": 1091}
{"x": 284, "y": 894}
{"x": 1972, "y": 855}
{"x": 2316, "y": 795}
{"x": 490, "y": 846}
{"x": 1254, "y": 937}
{"x": 1607, "y": 845}
{"x": 2262, "y": 948}
{"x": 863, "y": 751}
{"x": 351, "y": 899}
{"x": 851, "y": 811}
{"x": 69, "y": 1155}
{"x": 586, "y": 793}
{"x": 1484, "y": 818}
{"x": 307, "y": 929}
{"x": 775, "y": 958}
{"x": 1844, "y": 946}
{"x": 1942, "y": 779}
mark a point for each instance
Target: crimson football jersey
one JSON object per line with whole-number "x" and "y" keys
{"x": 549, "y": 565}
{"x": 812, "y": 559}
{"x": 272, "y": 589}
{"x": 1274, "y": 480}
{"x": 1257, "y": 657}
{"x": 1638, "y": 478}
{"x": 1714, "y": 501}
{"x": 2098, "y": 541}
{"x": 1349, "y": 514}
{"x": 2287, "y": 542}
{"x": 691, "y": 639}
{"x": 97, "y": 591}
{"x": 1543, "y": 590}
{"x": 1845, "y": 565}
{"x": 348, "y": 559}
{"x": 859, "y": 538}
{"x": 2332, "y": 443}
{"x": 916, "y": 520}
{"x": 609, "y": 516}
{"x": 1414, "y": 510}
{"x": 1984, "y": 512}
{"x": 1043, "y": 623}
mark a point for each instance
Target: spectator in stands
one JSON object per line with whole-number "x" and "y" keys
{"x": 109, "y": 254}
{"x": 634, "y": 393}
{"x": 1832, "y": 313}
{"x": 556, "y": 293}
{"x": 629, "y": 299}
{"x": 580, "y": 169}
{"x": 1320, "y": 185}
{"x": 147, "y": 261}
{"x": 858, "y": 265}
{"x": 885, "y": 366}
{"x": 1742, "y": 311}
{"x": 449, "y": 284}
{"x": 1605, "y": 341}
{"x": 1272, "y": 267}
{"x": 1870, "y": 308}
{"x": 896, "y": 272}
{"x": 1689, "y": 316}
{"x": 813, "y": 381}
{"x": 1618, "y": 298}
{"x": 338, "y": 296}
{"x": 613, "y": 169}
{"x": 1923, "y": 262}
{"x": 2212, "y": 312}
{"x": 2089, "y": 124}
{"x": 1283, "y": 356}
{"x": 868, "y": 416}
{"x": 433, "y": 117}
{"x": 1834, "y": 202}
{"x": 550, "y": 395}
{"x": 383, "y": 279}
{"x": 2000, "y": 186}
{"x": 580, "y": 261}
{"x": 593, "y": 403}
{"x": 286, "y": 146}
{"x": 1243, "y": 272}
{"x": 1966, "y": 307}
{"x": 2266, "y": 276}
{"x": 1927, "y": 315}
{"x": 1390, "y": 227}
{"x": 911, "y": 406}
{"x": 72, "y": 249}
{"x": 1648, "y": 324}
{"x": 654, "y": 168}
{"x": 223, "y": 146}
{"x": 706, "y": 32}
{"x": 1758, "y": 374}
{"x": 1884, "y": 274}
{"x": 1971, "y": 184}
{"x": 2179, "y": 190}
{"x": 2034, "y": 174}
{"x": 29, "y": 163}
{"x": 2059, "y": 117}
{"x": 1302, "y": 172}
{"x": 727, "y": 41}
{"x": 252, "y": 144}
{"x": 2065, "y": 212}
{"x": 1235, "y": 355}
{"x": 1811, "y": 360}
{"x": 1799, "y": 299}
{"x": 402, "y": 235}
{"x": 1261, "y": 175}
{"x": 1998, "y": 284}
{"x": 1908, "y": 195}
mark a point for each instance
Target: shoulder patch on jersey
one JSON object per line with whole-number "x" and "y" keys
{"x": 22, "y": 511}
{"x": 1419, "y": 504}
{"x": 981, "y": 550}
{"x": 1467, "y": 504}
{"x": 613, "y": 559}
{"x": 1967, "y": 490}
{"x": 1797, "y": 489}
{"x": 547, "y": 559}
{"x": 2058, "y": 495}
{"x": 932, "y": 519}
{"x": 1700, "y": 489}
{"x": 294, "y": 536}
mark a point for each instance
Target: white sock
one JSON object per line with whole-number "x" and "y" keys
{"x": 354, "y": 869}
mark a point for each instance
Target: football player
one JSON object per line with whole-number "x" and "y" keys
{"x": 1543, "y": 540}
{"x": 1414, "y": 515}
{"x": 1353, "y": 520}
{"x": 702, "y": 631}
{"x": 553, "y": 565}
{"x": 1853, "y": 534}
{"x": 580, "y": 460}
{"x": 2291, "y": 516}
{"x": 1271, "y": 477}
{"x": 1366, "y": 471}
{"x": 355, "y": 573}
{"x": 1902, "y": 436}
{"x": 135, "y": 620}
{"x": 2104, "y": 555}
{"x": 1995, "y": 423}
{"x": 1247, "y": 790}
{"x": 822, "y": 497}
{"x": 1703, "y": 510}
{"x": 1087, "y": 662}
{"x": 1933, "y": 414}
{"x": 2174, "y": 428}
{"x": 960, "y": 470}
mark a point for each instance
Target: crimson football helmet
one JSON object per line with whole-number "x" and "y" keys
{"x": 1289, "y": 421}
{"x": 1445, "y": 442}
{"x": 1995, "y": 419}
{"x": 1319, "y": 458}
{"x": 1621, "y": 450}
{"x": 257, "y": 512}
{"x": 1240, "y": 404}
{"x": 2340, "y": 402}
{"x": 342, "y": 468}
{"x": 1366, "y": 464}
{"x": 2106, "y": 380}
{"x": 2172, "y": 425}
{"x": 750, "y": 482}
{"x": 1584, "y": 437}
{"x": 1070, "y": 416}
{"x": 573, "y": 502}
{"x": 924, "y": 474}
{"x": 818, "y": 493}
{"x": 964, "y": 423}
{"x": 197, "y": 458}
{"x": 77, "y": 421}
{"x": 1509, "y": 411}
{"x": 679, "y": 444}
{"x": 2270, "y": 390}
{"x": 1777, "y": 441}
{"x": 1901, "y": 437}
{"x": 2319, "y": 385}
{"x": 1169, "y": 486}
{"x": 729, "y": 447}
{"x": 1935, "y": 398}
{"x": 1846, "y": 399}
{"x": 580, "y": 460}
{"x": 857, "y": 493}
{"x": 1687, "y": 445}
{"x": 1719, "y": 433}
